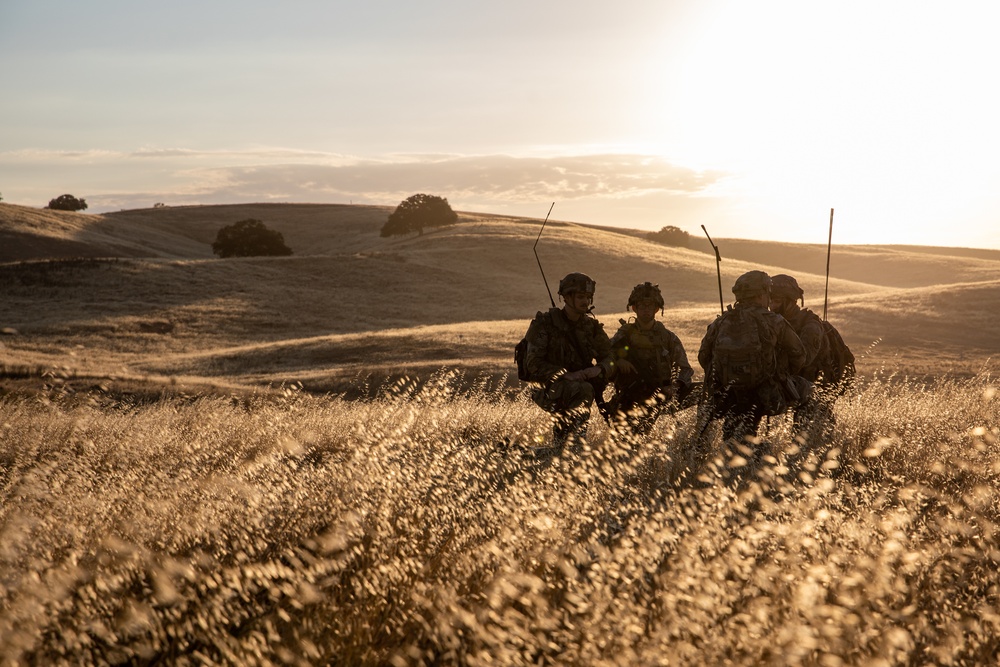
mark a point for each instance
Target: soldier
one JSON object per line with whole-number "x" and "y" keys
{"x": 653, "y": 370}
{"x": 750, "y": 355}
{"x": 562, "y": 346}
{"x": 807, "y": 325}
{"x": 818, "y": 367}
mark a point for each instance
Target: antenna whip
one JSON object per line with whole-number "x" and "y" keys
{"x": 829, "y": 243}
{"x": 718, "y": 270}
{"x": 534, "y": 249}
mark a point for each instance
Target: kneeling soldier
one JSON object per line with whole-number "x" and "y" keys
{"x": 653, "y": 371}
{"x": 563, "y": 345}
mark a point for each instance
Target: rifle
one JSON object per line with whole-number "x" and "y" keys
{"x": 718, "y": 270}
{"x": 829, "y": 242}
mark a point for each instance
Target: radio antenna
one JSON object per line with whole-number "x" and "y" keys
{"x": 829, "y": 244}
{"x": 534, "y": 249}
{"x": 718, "y": 269}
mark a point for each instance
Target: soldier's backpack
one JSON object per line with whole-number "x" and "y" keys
{"x": 838, "y": 368}
{"x": 744, "y": 354}
{"x": 520, "y": 350}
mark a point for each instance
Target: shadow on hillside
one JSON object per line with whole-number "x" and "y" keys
{"x": 70, "y": 387}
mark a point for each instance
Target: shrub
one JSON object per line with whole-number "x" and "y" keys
{"x": 67, "y": 203}
{"x": 672, "y": 236}
{"x": 419, "y": 211}
{"x": 249, "y": 238}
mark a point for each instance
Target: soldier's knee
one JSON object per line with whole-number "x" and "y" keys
{"x": 577, "y": 395}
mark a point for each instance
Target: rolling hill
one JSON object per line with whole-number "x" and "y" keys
{"x": 138, "y": 296}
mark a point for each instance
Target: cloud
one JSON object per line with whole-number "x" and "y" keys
{"x": 595, "y": 187}
{"x": 43, "y": 156}
{"x": 238, "y": 156}
{"x": 496, "y": 178}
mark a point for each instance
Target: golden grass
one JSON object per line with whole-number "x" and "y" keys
{"x": 168, "y": 493}
{"x": 416, "y": 529}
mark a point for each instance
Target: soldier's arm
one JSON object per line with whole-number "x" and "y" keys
{"x": 705, "y": 351}
{"x": 812, "y": 340}
{"x": 683, "y": 373}
{"x": 619, "y": 342}
{"x": 619, "y": 350}
{"x": 791, "y": 348}
{"x": 602, "y": 351}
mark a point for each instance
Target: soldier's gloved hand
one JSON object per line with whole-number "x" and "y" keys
{"x": 625, "y": 367}
{"x": 585, "y": 374}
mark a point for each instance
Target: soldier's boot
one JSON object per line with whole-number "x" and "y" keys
{"x": 578, "y": 436}
{"x": 560, "y": 434}
{"x": 570, "y": 430}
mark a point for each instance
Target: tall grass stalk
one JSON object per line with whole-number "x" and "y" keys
{"x": 418, "y": 528}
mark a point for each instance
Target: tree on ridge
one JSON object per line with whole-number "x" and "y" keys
{"x": 249, "y": 238}
{"x": 419, "y": 211}
{"x": 67, "y": 203}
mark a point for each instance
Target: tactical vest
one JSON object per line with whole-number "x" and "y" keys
{"x": 649, "y": 351}
{"x": 571, "y": 346}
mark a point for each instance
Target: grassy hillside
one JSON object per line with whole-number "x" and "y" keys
{"x": 889, "y": 266}
{"x": 348, "y": 304}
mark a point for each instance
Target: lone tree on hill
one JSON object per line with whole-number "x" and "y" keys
{"x": 67, "y": 203}
{"x": 670, "y": 235}
{"x": 419, "y": 211}
{"x": 249, "y": 238}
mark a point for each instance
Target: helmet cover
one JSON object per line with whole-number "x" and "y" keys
{"x": 576, "y": 282}
{"x": 644, "y": 291}
{"x": 784, "y": 286}
{"x": 751, "y": 284}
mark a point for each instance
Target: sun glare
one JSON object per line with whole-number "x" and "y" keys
{"x": 883, "y": 109}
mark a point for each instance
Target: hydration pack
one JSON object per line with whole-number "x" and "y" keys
{"x": 838, "y": 366}
{"x": 520, "y": 350}
{"x": 744, "y": 353}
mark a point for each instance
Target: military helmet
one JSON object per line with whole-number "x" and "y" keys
{"x": 576, "y": 282}
{"x": 751, "y": 284}
{"x": 786, "y": 287}
{"x": 646, "y": 290}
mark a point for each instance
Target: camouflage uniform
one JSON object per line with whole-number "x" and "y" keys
{"x": 663, "y": 373}
{"x": 806, "y": 324}
{"x": 556, "y": 346}
{"x": 743, "y": 409}
{"x": 809, "y": 328}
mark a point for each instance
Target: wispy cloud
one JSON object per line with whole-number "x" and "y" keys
{"x": 113, "y": 180}
{"x": 35, "y": 155}
{"x": 493, "y": 177}
{"x": 239, "y": 156}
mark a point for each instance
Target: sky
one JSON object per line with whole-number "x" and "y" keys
{"x": 754, "y": 119}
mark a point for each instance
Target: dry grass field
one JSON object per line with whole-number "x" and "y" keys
{"x": 201, "y": 461}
